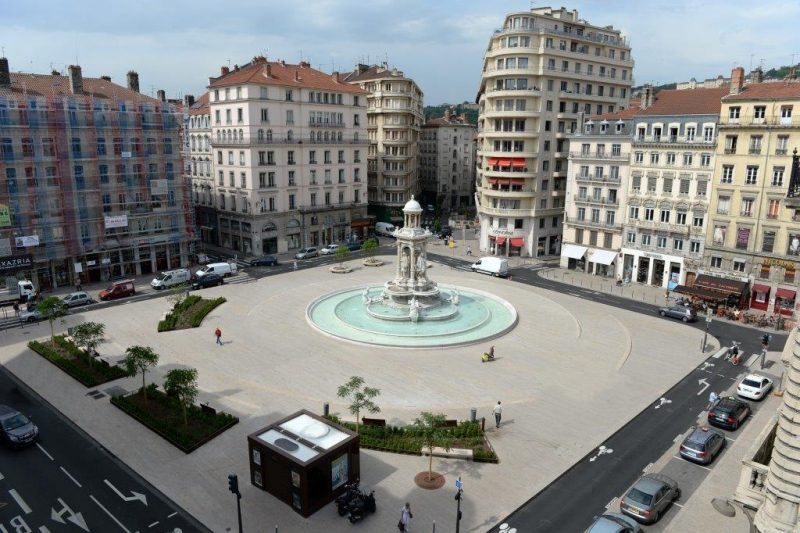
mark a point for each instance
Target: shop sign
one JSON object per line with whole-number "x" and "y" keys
{"x": 78, "y": 267}
{"x": 788, "y": 265}
{"x": 5, "y": 216}
{"x": 91, "y": 263}
{"x": 653, "y": 256}
{"x": 26, "y": 241}
{"x": 15, "y": 262}
{"x": 126, "y": 155}
{"x": 116, "y": 221}
{"x": 502, "y": 233}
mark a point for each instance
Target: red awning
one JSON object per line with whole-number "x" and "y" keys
{"x": 500, "y": 240}
{"x": 517, "y": 181}
{"x": 517, "y": 163}
{"x": 504, "y": 162}
{"x": 785, "y": 294}
{"x": 503, "y": 181}
{"x": 517, "y": 241}
{"x": 758, "y": 288}
{"x": 492, "y": 181}
{"x": 492, "y": 161}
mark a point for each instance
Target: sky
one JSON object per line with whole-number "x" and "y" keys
{"x": 176, "y": 45}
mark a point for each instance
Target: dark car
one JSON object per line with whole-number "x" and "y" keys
{"x": 702, "y": 445}
{"x": 446, "y": 231}
{"x": 209, "y": 280}
{"x": 649, "y": 497}
{"x": 16, "y": 429}
{"x": 687, "y": 314}
{"x": 729, "y": 413}
{"x": 353, "y": 246}
{"x": 267, "y": 260}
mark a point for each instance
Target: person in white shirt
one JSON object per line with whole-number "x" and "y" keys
{"x": 498, "y": 414}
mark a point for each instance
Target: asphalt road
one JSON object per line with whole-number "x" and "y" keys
{"x": 585, "y": 490}
{"x": 68, "y": 482}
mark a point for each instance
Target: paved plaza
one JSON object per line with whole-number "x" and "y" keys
{"x": 569, "y": 375}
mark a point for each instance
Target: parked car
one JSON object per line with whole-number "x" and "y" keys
{"x": 30, "y": 315}
{"x": 328, "y": 249}
{"x": 16, "y": 429}
{"x": 75, "y": 299}
{"x": 446, "y": 231}
{"x": 729, "y": 413}
{"x": 200, "y": 259}
{"x": 223, "y": 269}
{"x": 118, "y": 289}
{"x": 649, "y": 497}
{"x": 614, "y": 523}
{"x": 702, "y": 445}
{"x": 353, "y": 246}
{"x": 209, "y": 280}
{"x": 384, "y": 229}
{"x": 754, "y": 387}
{"x": 680, "y": 312}
{"x": 307, "y": 253}
{"x": 266, "y": 260}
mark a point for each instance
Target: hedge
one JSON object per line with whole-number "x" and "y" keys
{"x": 77, "y": 363}
{"x": 196, "y": 307}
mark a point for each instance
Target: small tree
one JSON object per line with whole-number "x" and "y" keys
{"x": 138, "y": 360}
{"x": 370, "y": 246}
{"x": 89, "y": 335}
{"x": 437, "y": 226}
{"x": 177, "y": 294}
{"x": 342, "y": 253}
{"x": 182, "y": 383}
{"x": 52, "y": 308}
{"x": 359, "y": 396}
{"x": 432, "y": 434}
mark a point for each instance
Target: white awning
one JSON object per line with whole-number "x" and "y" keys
{"x": 573, "y": 252}
{"x": 604, "y": 257}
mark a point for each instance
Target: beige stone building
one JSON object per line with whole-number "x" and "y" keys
{"x": 542, "y": 71}
{"x": 199, "y": 167}
{"x": 754, "y": 231}
{"x": 394, "y": 118}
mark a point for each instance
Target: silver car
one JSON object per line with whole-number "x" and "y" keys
{"x": 702, "y": 445}
{"x": 649, "y": 497}
{"x": 687, "y": 314}
{"x": 614, "y": 523}
{"x": 306, "y": 253}
{"x": 74, "y": 299}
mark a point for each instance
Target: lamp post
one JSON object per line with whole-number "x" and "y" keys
{"x": 705, "y": 335}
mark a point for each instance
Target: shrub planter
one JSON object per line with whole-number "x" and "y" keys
{"x": 372, "y": 262}
{"x": 189, "y": 313}
{"x": 164, "y": 415}
{"x": 77, "y": 363}
{"x": 341, "y": 269}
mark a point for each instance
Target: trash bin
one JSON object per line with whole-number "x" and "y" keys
{"x": 473, "y": 414}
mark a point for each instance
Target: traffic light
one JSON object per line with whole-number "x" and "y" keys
{"x": 233, "y": 483}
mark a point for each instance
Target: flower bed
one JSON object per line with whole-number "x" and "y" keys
{"x": 189, "y": 313}
{"x": 164, "y": 415}
{"x": 75, "y": 362}
{"x": 407, "y": 439}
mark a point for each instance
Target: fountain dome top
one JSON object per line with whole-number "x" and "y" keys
{"x": 412, "y": 206}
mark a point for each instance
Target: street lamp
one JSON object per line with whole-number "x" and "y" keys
{"x": 708, "y": 323}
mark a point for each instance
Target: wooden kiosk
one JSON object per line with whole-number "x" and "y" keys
{"x": 303, "y": 460}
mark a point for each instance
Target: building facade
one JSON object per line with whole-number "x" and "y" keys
{"x": 675, "y": 136}
{"x": 92, "y": 185}
{"x": 394, "y": 119}
{"x": 447, "y": 162}
{"x": 597, "y": 185}
{"x": 754, "y": 231}
{"x": 200, "y": 168}
{"x": 542, "y": 71}
{"x": 289, "y": 150}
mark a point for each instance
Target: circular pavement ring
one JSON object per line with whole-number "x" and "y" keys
{"x": 436, "y": 481}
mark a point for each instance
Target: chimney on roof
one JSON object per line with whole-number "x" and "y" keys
{"x": 296, "y": 76}
{"x": 133, "y": 81}
{"x": 648, "y": 97}
{"x": 162, "y": 95}
{"x": 75, "y": 79}
{"x": 737, "y": 80}
{"x": 282, "y": 62}
{"x": 269, "y": 70}
{"x": 224, "y": 70}
{"x": 5, "y": 75}
{"x": 792, "y": 72}
{"x": 304, "y": 64}
{"x": 107, "y": 78}
{"x": 757, "y": 76}
{"x": 188, "y": 100}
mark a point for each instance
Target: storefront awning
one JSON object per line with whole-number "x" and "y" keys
{"x": 492, "y": 161}
{"x": 504, "y": 162}
{"x": 603, "y": 257}
{"x": 518, "y": 242}
{"x": 698, "y": 292}
{"x": 785, "y": 294}
{"x": 763, "y": 289}
{"x": 500, "y": 240}
{"x": 722, "y": 285}
{"x": 573, "y": 252}
{"x": 518, "y": 163}
{"x": 492, "y": 181}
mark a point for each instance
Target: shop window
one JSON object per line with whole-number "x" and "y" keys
{"x": 764, "y": 274}
{"x": 788, "y": 275}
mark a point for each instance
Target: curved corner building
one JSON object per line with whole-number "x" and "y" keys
{"x": 543, "y": 70}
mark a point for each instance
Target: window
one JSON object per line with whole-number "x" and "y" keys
{"x": 783, "y": 143}
{"x": 708, "y": 134}
{"x": 292, "y": 204}
{"x": 747, "y": 207}
{"x": 654, "y": 158}
{"x": 631, "y": 237}
{"x": 716, "y": 262}
{"x": 755, "y": 144}
{"x": 666, "y": 185}
{"x": 742, "y": 239}
{"x": 694, "y": 247}
{"x": 684, "y": 186}
{"x": 646, "y": 239}
{"x": 697, "y": 221}
{"x": 670, "y": 158}
{"x": 677, "y": 244}
{"x": 289, "y": 116}
{"x": 665, "y": 216}
{"x": 768, "y": 243}
{"x": 611, "y": 217}
{"x": 727, "y": 174}
{"x": 680, "y": 218}
{"x": 786, "y": 114}
{"x": 733, "y": 113}
{"x": 774, "y": 209}
{"x": 651, "y": 184}
{"x": 690, "y": 133}
{"x": 777, "y": 176}
{"x": 705, "y": 160}
{"x": 759, "y": 112}
{"x": 723, "y": 205}
{"x": 738, "y": 266}
{"x": 243, "y": 180}
{"x": 751, "y": 178}
{"x": 649, "y": 213}
{"x": 633, "y": 212}
{"x": 687, "y": 160}
{"x": 661, "y": 241}
{"x": 638, "y": 157}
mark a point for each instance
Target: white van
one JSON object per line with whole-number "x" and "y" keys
{"x": 223, "y": 269}
{"x": 385, "y": 229}
{"x": 170, "y": 278}
{"x": 496, "y": 266}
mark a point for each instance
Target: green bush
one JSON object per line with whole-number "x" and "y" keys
{"x": 196, "y": 313}
{"x": 78, "y": 364}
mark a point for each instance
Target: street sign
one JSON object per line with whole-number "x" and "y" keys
{"x": 459, "y": 485}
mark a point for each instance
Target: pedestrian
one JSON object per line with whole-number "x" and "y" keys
{"x": 78, "y": 286}
{"x": 294, "y": 265}
{"x": 405, "y": 518}
{"x": 16, "y": 309}
{"x": 712, "y": 399}
{"x": 498, "y": 414}
{"x": 218, "y": 335}
{"x": 469, "y": 250}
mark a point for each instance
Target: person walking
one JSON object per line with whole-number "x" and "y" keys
{"x": 78, "y": 286}
{"x": 295, "y": 265}
{"x": 16, "y": 309}
{"x": 218, "y": 335}
{"x": 498, "y": 414}
{"x": 405, "y": 518}
{"x": 469, "y": 250}
{"x": 712, "y": 400}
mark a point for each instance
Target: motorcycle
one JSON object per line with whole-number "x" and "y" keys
{"x": 488, "y": 356}
{"x": 345, "y": 500}
{"x": 733, "y": 354}
{"x": 361, "y": 506}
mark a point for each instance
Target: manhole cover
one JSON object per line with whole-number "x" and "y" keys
{"x": 116, "y": 391}
{"x": 286, "y": 444}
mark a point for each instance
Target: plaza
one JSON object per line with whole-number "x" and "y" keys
{"x": 569, "y": 375}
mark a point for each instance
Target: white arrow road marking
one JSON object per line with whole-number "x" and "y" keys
{"x": 602, "y": 450}
{"x": 706, "y": 365}
{"x": 136, "y": 495}
{"x": 705, "y": 385}
{"x": 662, "y": 401}
{"x": 75, "y": 518}
{"x": 17, "y": 498}
{"x": 114, "y": 518}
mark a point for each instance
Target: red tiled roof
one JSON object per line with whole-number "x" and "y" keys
{"x": 200, "y": 106}
{"x": 774, "y": 90}
{"x": 53, "y": 85}
{"x": 686, "y": 102}
{"x": 263, "y": 72}
{"x": 620, "y": 114}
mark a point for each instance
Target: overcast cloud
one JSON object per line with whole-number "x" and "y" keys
{"x": 176, "y": 45}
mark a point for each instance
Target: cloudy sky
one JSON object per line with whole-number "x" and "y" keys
{"x": 177, "y": 45}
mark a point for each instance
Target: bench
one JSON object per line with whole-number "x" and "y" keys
{"x": 373, "y": 421}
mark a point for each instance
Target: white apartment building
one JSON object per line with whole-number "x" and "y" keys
{"x": 289, "y": 153}
{"x": 394, "y": 118}
{"x": 542, "y": 71}
{"x": 596, "y": 197}
{"x": 447, "y": 162}
{"x": 675, "y": 135}
{"x": 200, "y": 168}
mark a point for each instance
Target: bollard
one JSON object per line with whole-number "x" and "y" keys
{"x": 473, "y": 414}
{"x": 483, "y": 424}
{"x": 326, "y": 408}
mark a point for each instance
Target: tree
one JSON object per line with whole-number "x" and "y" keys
{"x": 437, "y": 226}
{"x": 182, "y": 383}
{"x": 360, "y": 397}
{"x": 342, "y": 252}
{"x": 88, "y": 335}
{"x": 52, "y": 308}
{"x": 138, "y": 360}
{"x": 369, "y": 246}
{"x": 431, "y": 433}
{"x": 177, "y": 294}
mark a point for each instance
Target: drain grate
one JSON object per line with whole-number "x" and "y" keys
{"x": 96, "y": 394}
{"x": 115, "y": 391}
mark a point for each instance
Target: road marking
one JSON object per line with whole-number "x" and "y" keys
{"x": 721, "y": 375}
{"x": 647, "y": 468}
{"x": 114, "y": 518}
{"x": 171, "y": 515}
{"x": 678, "y": 505}
{"x": 72, "y": 516}
{"x": 662, "y": 401}
{"x": 70, "y": 476}
{"x": 677, "y": 437}
{"x": 17, "y": 498}
{"x": 1, "y": 476}
{"x": 612, "y": 503}
{"x": 706, "y": 365}
{"x": 135, "y": 495}
{"x": 153, "y": 524}
{"x": 730, "y": 439}
{"x": 719, "y": 354}
{"x": 602, "y": 450}
{"x": 705, "y": 385}
{"x": 752, "y": 359}
{"x": 692, "y": 462}
{"x": 45, "y": 452}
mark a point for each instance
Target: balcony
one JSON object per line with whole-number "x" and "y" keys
{"x": 673, "y": 140}
{"x": 582, "y": 54}
{"x": 752, "y": 121}
{"x": 593, "y": 224}
{"x": 592, "y": 178}
{"x": 525, "y": 192}
{"x": 599, "y": 155}
{"x": 750, "y": 491}
{"x": 321, "y": 124}
{"x": 511, "y": 213}
{"x": 590, "y": 200}
{"x": 608, "y": 40}
{"x": 527, "y": 91}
